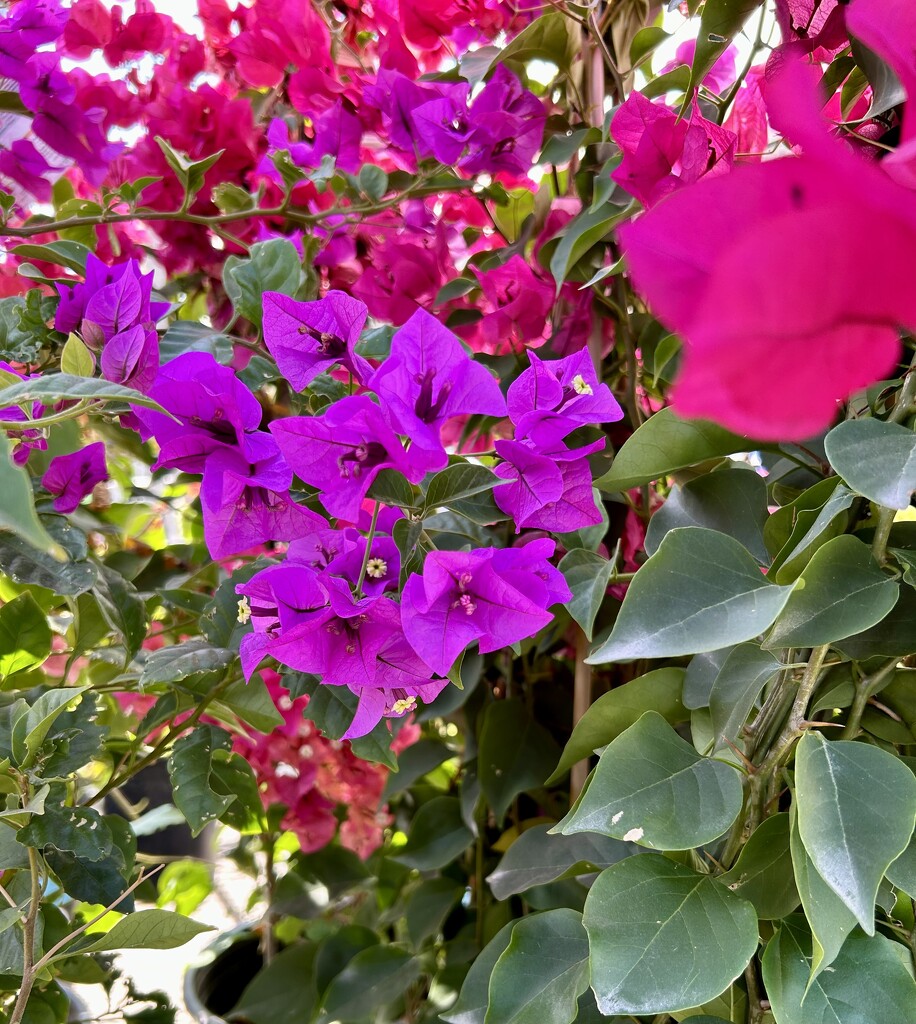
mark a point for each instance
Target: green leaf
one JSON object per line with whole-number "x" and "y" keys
{"x": 542, "y": 972}
{"x": 720, "y": 22}
{"x": 856, "y": 811}
{"x": 25, "y": 636}
{"x": 552, "y": 37}
{"x": 664, "y": 938}
{"x": 737, "y": 686}
{"x": 643, "y": 781}
{"x": 828, "y": 916}
{"x": 172, "y": 664}
{"x": 283, "y": 992}
{"x": 415, "y": 761}
{"x": 645, "y": 42}
{"x": 560, "y": 148}
{"x": 701, "y": 676}
{"x": 59, "y": 387}
{"x": 731, "y": 501}
{"x": 184, "y": 883}
{"x": 473, "y": 999}
{"x": 17, "y": 510}
{"x": 331, "y": 708}
{"x": 870, "y": 982}
{"x": 190, "y": 336}
{"x": 430, "y": 904}
{"x": 232, "y": 777}
{"x": 144, "y": 929}
{"x": 373, "y": 181}
{"x": 77, "y": 830}
{"x": 815, "y": 517}
{"x": 457, "y": 483}
{"x": 62, "y": 253}
{"x": 507, "y": 769}
{"x": 122, "y": 608}
{"x": 584, "y": 231}
{"x": 700, "y": 591}
{"x": 271, "y": 266}
{"x": 613, "y": 712}
{"x": 373, "y": 978}
{"x": 876, "y": 459}
{"x": 190, "y": 173}
{"x": 31, "y": 727}
{"x": 437, "y": 835}
{"x": 894, "y": 636}
{"x": 90, "y": 881}
{"x": 841, "y": 591}
{"x": 24, "y": 563}
{"x": 537, "y": 857}
{"x": 191, "y": 774}
{"x": 390, "y": 488}
{"x": 763, "y": 872}
{"x": 252, "y": 703}
{"x": 587, "y": 574}
{"x": 902, "y": 872}
{"x": 230, "y": 198}
{"x": 76, "y": 359}
{"x": 665, "y": 444}
{"x": 338, "y": 949}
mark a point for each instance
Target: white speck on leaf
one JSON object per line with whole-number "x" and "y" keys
{"x": 633, "y": 835}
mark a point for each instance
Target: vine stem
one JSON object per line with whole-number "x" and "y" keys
{"x": 370, "y": 537}
{"x": 66, "y": 414}
{"x": 28, "y": 932}
{"x": 866, "y": 688}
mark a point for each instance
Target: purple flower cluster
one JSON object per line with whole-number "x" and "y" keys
{"x": 550, "y": 484}
{"x": 113, "y": 311}
{"x": 46, "y": 91}
{"x": 71, "y": 477}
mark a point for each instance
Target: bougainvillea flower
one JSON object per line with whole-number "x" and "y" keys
{"x": 211, "y": 410}
{"x": 662, "y": 152}
{"x": 517, "y": 303}
{"x": 344, "y": 450}
{"x": 719, "y": 77}
{"x": 487, "y": 595}
{"x": 22, "y": 163}
{"x": 28, "y": 25}
{"x": 400, "y": 277}
{"x": 342, "y": 552}
{"x": 29, "y": 438}
{"x": 244, "y": 504}
{"x": 751, "y": 269}
{"x": 507, "y": 123}
{"x": 429, "y": 377}
{"x": 748, "y": 117}
{"x": 553, "y": 397}
{"x": 72, "y": 477}
{"x": 307, "y": 338}
{"x": 444, "y": 127}
{"x": 131, "y": 357}
{"x": 77, "y": 134}
{"x": 112, "y": 298}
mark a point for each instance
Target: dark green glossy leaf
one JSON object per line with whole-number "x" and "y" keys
{"x": 876, "y": 459}
{"x": 587, "y": 574}
{"x": 731, "y": 501}
{"x": 507, "y": 769}
{"x": 584, "y": 231}
{"x": 271, "y": 266}
{"x": 856, "y": 811}
{"x": 893, "y": 636}
{"x": 842, "y": 592}
{"x": 700, "y": 591}
{"x": 371, "y": 979}
{"x": 77, "y": 830}
{"x": 537, "y": 857}
{"x": 542, "y": 972}
{"x": 437, "y": 835}
{"x": 871, "y": 982}
{"x": 62, "y": 253}
{"x": 552, "y": 37}
{"x": 737, "y": 686}
{"x": 373, "y": 181}
{"x": 613, "y": 712}
{"x": 284, "y": 992}
{"x": 701, "y": 677}
{"x": 190, "y": 173}
{"x": 652, "y": 925}
{"x": 58, "y": 387}
{"x": 122, "y": 607}
{"x": 473, "y": 999}
{"x": 643, "y": 781}
{"x": 190, "y": 336}
{"x": 429, "y": 906}
{"x": 191, "y": 774}
{"x": 32, "y": 726}
{"x": 24, "y": 563}
{"x": 458, "y": 483}
{"x": 763, "y": 872}
{"x": 172, "y": 664}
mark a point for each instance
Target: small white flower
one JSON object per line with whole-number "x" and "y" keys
{"x": 401, "y": 707}
{"x": 244, "y": 610}
{"x": 581, "y": 385}
{"x": 376, "y": 568}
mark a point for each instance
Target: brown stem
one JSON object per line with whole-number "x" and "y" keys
{"x": 582, "y": 698}
{"x": 28, "y": 926}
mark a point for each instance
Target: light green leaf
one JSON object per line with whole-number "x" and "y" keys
{"x": 642, "y": 783}
{"x": 720, "y": 22}
{"x": 190, "y": 336}
{"x": 763, "y": 872}
{"x": 552, "y": 37}
{"x": 507, "y": 769}
{"x": 144, "y": 929}
{"x": 63, "y": 253}
{"x": 584, "y": 231}
{"x": 876, "y": 459}
{"x": 17, "y": 510}
{"x": 271, "y": 266}
{"x": 613, "y": 712}
{"x": 664, "y": 938}
{"x": 732, "y": 501}
{"x": 537, "y": 857}
{"x": 190, "y": 173}
{"x": 700, "y": 591}
{"x": 373, "y": 181}
{"x": 542, "y": 972}
{"x": 664, "y": 444}
{"x": 841, "y": 591}
{"x": 798, "y": 529}
{"x": 869, "y": 984}
{"x": 587, "y": 574}
{"x": 25, "y": 636}
{"x": 31, "y": 727}
{"x": 828, "y": 916}
{"x": 59, "y": 387}
{"x": 76, "y": 359}
{"x": 856, "y": 811}
{"x": 737, "y": 686}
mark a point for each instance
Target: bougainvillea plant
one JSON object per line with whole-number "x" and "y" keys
{"x": 469, "y": 445}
